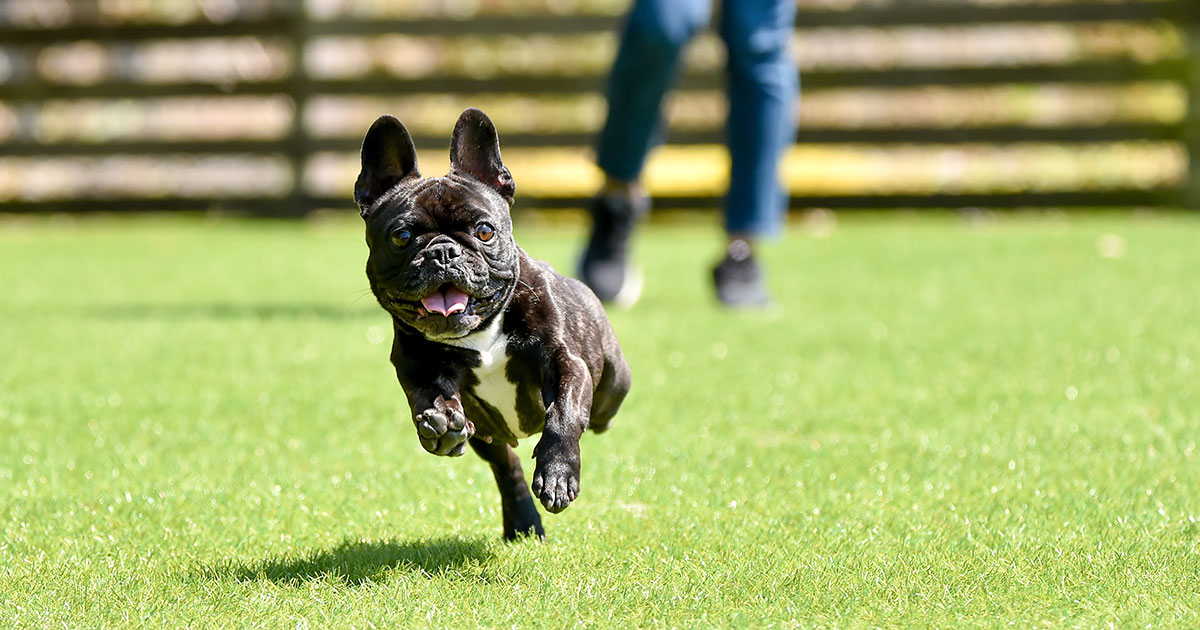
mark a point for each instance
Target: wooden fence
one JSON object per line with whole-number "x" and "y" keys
{"x": 293, "y": 39}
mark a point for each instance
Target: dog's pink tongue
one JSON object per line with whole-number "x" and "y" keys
{"x": 448, "y": 303}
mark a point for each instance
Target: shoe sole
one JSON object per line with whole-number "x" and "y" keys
{"x": 631, "y": 288}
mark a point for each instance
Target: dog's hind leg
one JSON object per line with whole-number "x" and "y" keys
{"x": 610, "y": 392}
{"x": 521, "y": 517}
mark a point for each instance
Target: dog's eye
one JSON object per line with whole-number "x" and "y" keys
{"x": 484, "y": 232}
{"x": 400, "y": 238}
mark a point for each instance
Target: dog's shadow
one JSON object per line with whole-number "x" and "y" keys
{"x": 357, "y": 563}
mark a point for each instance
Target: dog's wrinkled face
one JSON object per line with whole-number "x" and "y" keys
{"x": 442, "y": 257}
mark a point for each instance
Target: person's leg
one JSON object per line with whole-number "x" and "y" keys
{"x": 646, "y": 64}
{"x": 763, "y": 85}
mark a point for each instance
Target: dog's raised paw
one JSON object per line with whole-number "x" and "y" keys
{"x": 556, "y": 483}
{"x": 443, "y": 429}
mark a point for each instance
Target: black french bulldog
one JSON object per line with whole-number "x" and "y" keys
{"x": 490, "y": 344}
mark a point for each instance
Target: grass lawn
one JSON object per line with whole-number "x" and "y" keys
{"x": 945, "y": 423}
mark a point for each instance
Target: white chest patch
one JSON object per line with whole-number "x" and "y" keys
{"x": 494, "y": 387}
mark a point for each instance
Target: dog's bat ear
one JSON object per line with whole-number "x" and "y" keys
{"x": 388, "y": 157}
{"x": 475, "y": 151}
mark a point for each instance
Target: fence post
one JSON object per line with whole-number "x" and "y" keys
{"x": 298, "y": 202}
{"x": 1191, "y": 191}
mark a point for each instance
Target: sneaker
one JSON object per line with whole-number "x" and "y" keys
{"x": 604, "y": 266}
{"x": 739, "y": 279}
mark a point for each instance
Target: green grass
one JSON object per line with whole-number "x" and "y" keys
{"x": 945, "y": 423}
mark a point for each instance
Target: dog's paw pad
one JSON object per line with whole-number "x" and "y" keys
{"x": 443, "y": 429}
{"x": 431, "y": 424}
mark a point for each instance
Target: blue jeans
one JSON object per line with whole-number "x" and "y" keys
{"x": 763, "y": 85}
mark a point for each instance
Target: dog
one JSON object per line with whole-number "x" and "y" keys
{"x": 490, "y": 345}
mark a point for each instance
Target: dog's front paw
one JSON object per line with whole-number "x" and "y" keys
{"x": 443, "y": 428}
{"x": 556, "y": 480}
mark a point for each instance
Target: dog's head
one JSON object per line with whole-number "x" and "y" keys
{"x": 442, "y": 257}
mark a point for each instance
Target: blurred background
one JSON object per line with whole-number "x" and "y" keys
{"x": 258, "y": 106}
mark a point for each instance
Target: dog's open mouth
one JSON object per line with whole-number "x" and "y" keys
{"x": 448, "y": 300}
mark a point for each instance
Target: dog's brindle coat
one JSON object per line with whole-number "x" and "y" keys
{"x": 522, "y": 350}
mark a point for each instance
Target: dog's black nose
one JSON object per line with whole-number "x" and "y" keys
{"x": 443, "y": 253}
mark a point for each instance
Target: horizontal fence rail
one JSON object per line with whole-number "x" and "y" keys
{"x": 896, "y": 14}
{"x": 1171, "y": 62}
